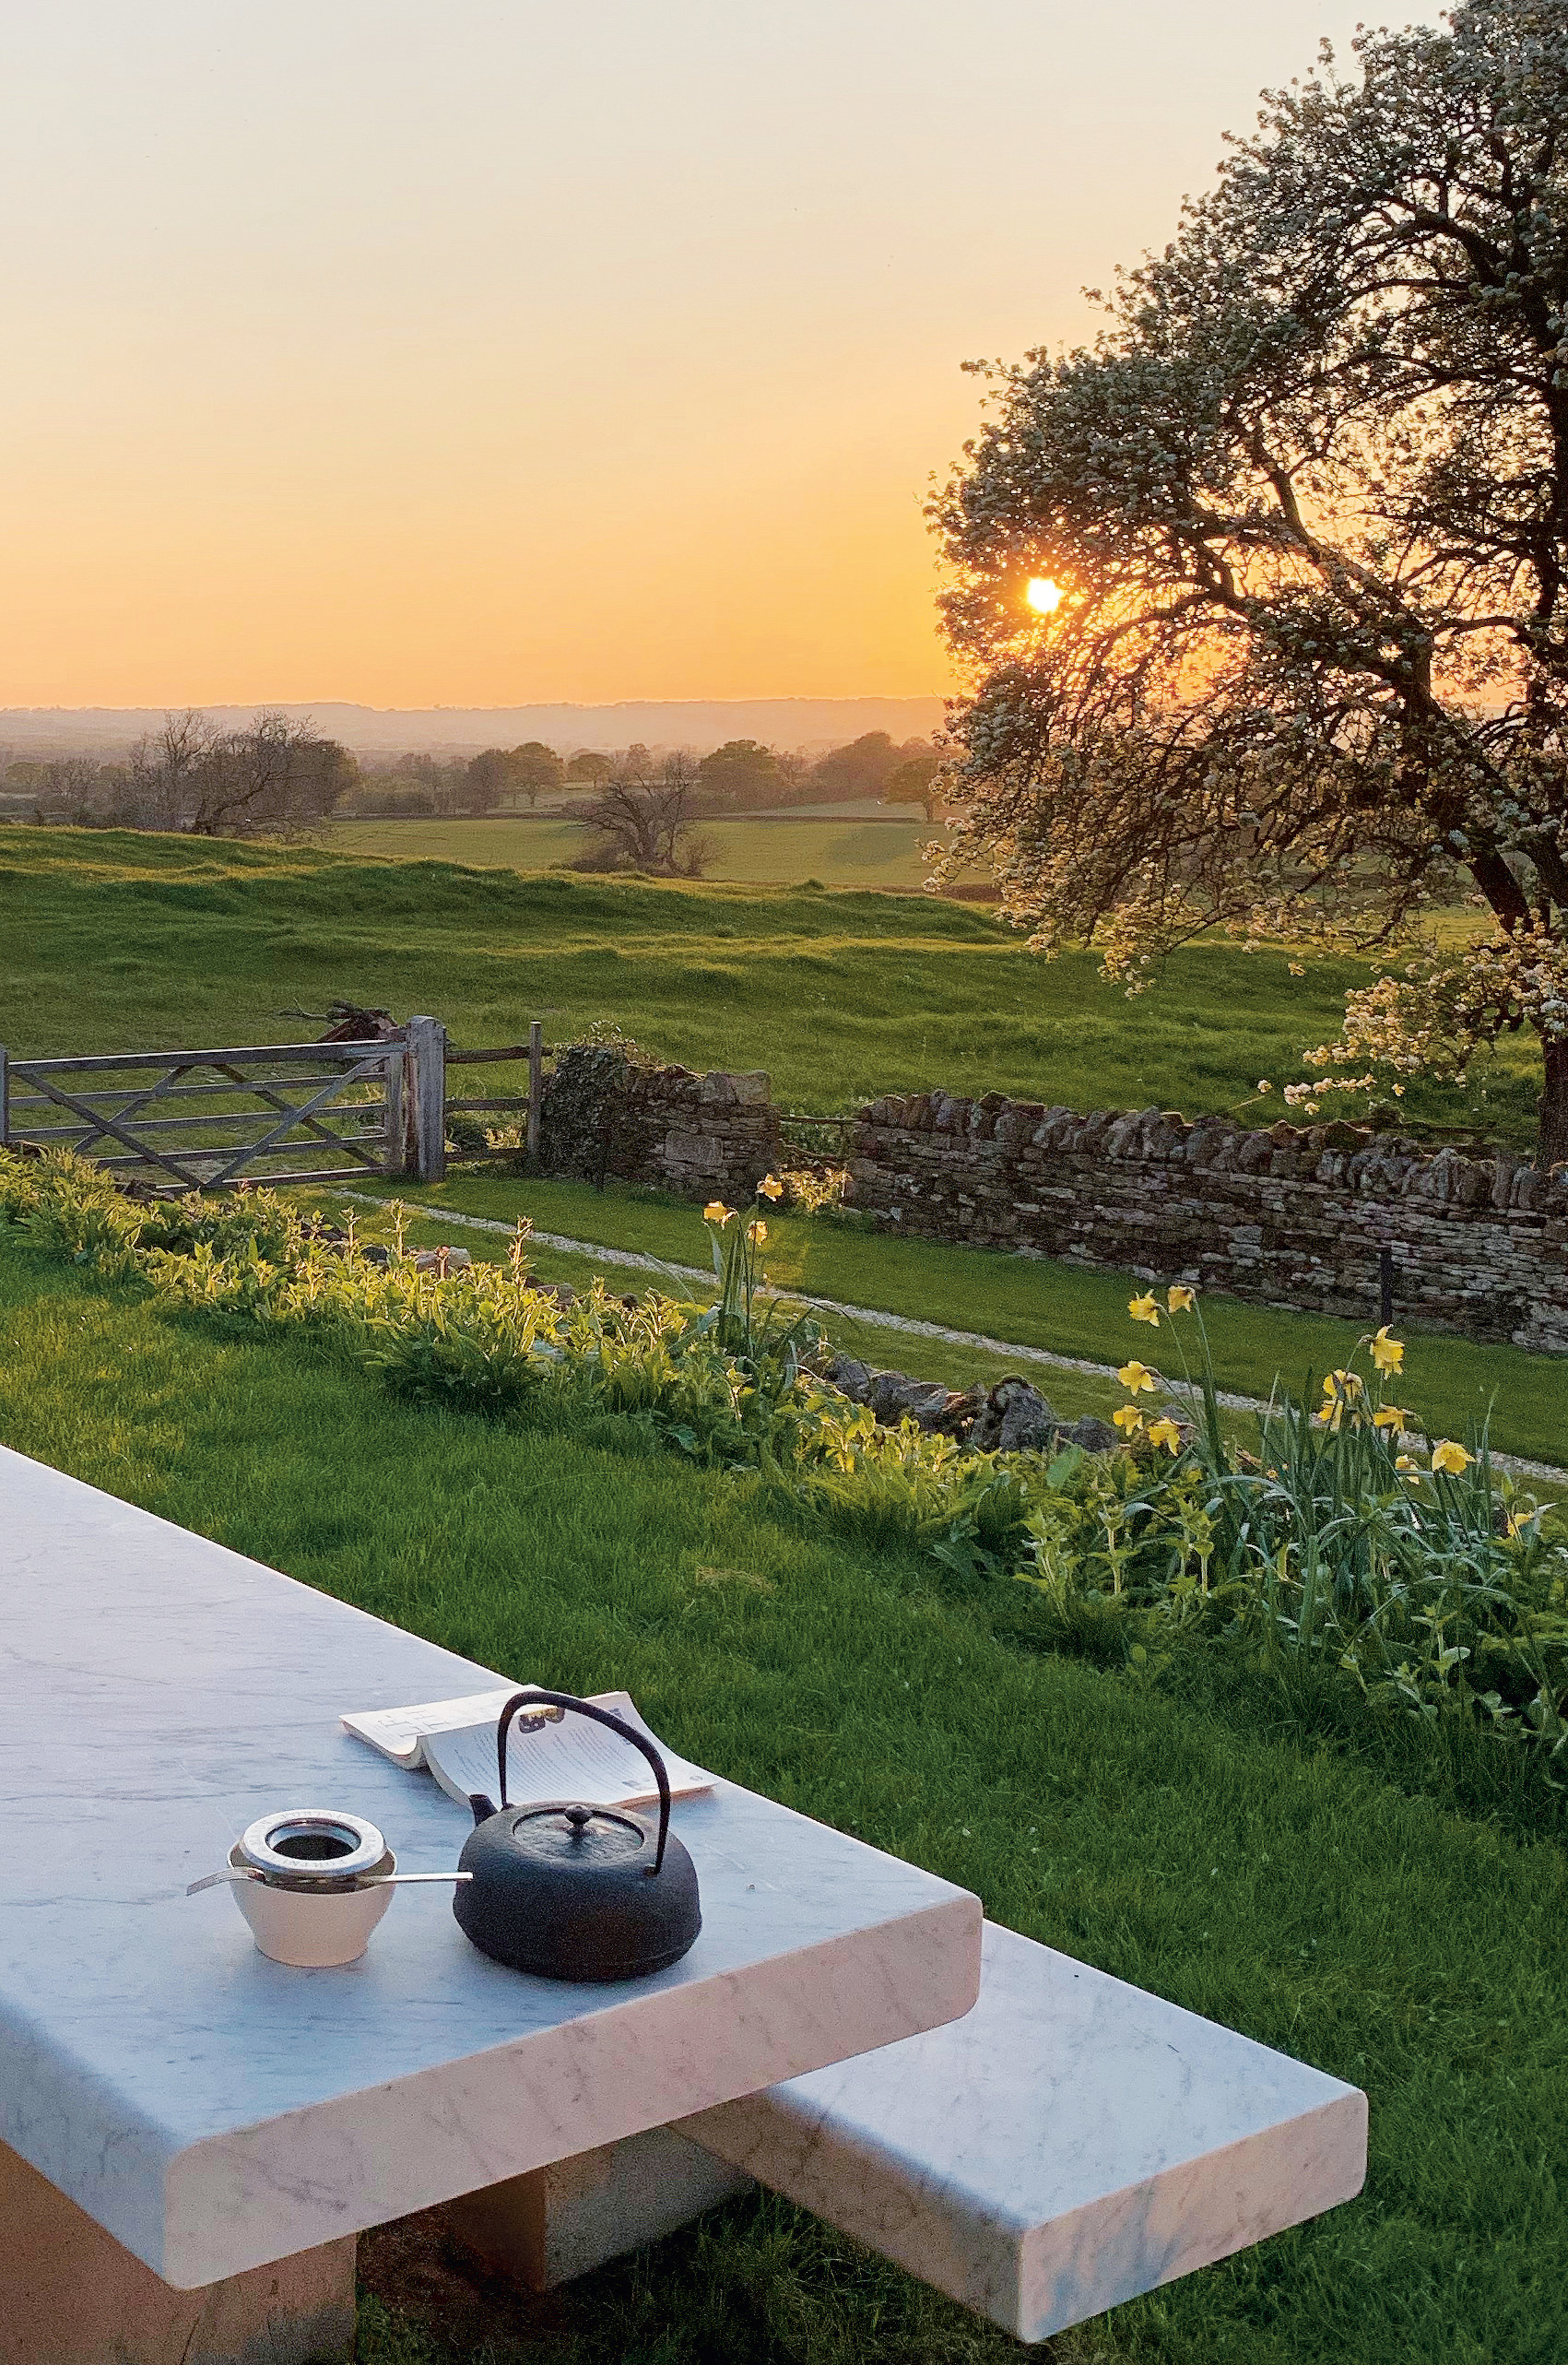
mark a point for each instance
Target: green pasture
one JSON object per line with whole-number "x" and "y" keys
{"x": 119, "y": 941}
{"x": 1385, "y": 1900}
{"x": 854, "y": 849}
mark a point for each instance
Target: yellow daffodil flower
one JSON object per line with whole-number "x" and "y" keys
{"x": 1521, "y": 1523}
{"x": 1390, "y": 1417}
{"x": 1179, "y": 1299}
{"x": 1343, "y": 1387}
{"x": 1164, "y": 1432}
{"x": 1450, "y": 1457}
{"x": 1128, "y": 1418}
{"x": 1144, "y": 1309}
{"x": 1408, "y": 1465}
{"x": 756, "y": 1230}
{"x": 770, "y": 1187}
{"x": 717, "y": 1211}
{"x": 1137, "y": 1376}
{"x": 1387, "y": 1354}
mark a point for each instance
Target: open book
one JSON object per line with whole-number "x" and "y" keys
{"x": 575, "y": 1759}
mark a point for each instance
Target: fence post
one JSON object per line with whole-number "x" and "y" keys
{"x": 535, "y": 1088}
{"x": 427, "y": 1046}
{"x": 5, "y": 1100}
{"x": 396, "y": 1159}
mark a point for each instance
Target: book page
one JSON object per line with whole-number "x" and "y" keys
{"x": 397, "y": 1732}
{"x": 575, "y": 1759}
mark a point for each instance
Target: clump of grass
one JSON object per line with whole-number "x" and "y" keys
{"x": 1428, "y": 1581}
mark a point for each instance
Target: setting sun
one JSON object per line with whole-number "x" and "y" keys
{"x": 1045, "y": 594}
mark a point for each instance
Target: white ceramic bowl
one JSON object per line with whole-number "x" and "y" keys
{"x": 312, "y": 1930}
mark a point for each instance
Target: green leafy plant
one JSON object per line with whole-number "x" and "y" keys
{"x": 747, "y": 1319}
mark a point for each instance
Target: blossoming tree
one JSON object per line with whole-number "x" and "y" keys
{"x": 1264, "y": 595}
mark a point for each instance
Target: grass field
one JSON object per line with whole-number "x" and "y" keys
{"x": 858, "y": 848}
{"x": 124, "y": 941}
{"x": 1346, "y": 1904}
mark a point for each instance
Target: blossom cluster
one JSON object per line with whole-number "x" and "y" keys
{"x": 1432, "y": 1020}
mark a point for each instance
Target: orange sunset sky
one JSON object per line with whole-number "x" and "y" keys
{"x": 486, "y": 353}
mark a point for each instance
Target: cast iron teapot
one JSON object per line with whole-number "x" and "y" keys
{"x": 576, "y": 1892}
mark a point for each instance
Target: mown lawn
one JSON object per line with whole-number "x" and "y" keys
{"x": 119, "y": 940}
{"x": 1450, "y": 1383}
{"x": 1227, "y": 1851}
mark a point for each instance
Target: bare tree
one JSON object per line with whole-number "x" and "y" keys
{"x": 643, "y": 817}
{"x": 191, "y": 776}
{"x": 161, "y": 773}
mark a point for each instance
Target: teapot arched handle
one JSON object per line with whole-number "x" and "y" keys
{"x": 533, "y": 1697}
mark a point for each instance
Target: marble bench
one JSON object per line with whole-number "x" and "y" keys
{"x": 1068, "y": 2143}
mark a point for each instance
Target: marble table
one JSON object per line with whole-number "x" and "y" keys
{"x": 214, "y": 2110}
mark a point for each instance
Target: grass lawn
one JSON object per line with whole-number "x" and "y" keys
{"x": 119, "y": 940}
{"x": 1035, "y": 1301}
{"x": 1212, "y": 1851}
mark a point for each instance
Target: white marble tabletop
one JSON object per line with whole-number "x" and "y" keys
{"x": 215, "y": 2109}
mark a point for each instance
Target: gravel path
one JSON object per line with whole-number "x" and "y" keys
{"x": 634, "y": 1260}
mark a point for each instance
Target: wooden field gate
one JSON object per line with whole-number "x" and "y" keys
{"x": 262, "y": 1113}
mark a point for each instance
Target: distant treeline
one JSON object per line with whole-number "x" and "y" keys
{"x": 739, "y": 777}
{"x": 279, "y": 776}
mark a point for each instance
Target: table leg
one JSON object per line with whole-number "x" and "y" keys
{"x": 558, "y": 2222}
{"x": 71, "y": 2295}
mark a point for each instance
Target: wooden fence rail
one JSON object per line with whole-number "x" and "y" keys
{"x": 527, "y": 1104}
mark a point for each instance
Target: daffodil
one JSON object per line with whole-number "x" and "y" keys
{"x": 1179, "y": 1299}
{"x": 1390, "y": 1417}
{"x": 1343, "y": 1387}
{"x": 1407, "y": 1464}
{"x": 1446, "y": 1455}
{"x": 756, "y": 1230}
{"x": 1164, "y": 1432}
{"x": 1137, "y": 1376}
{"x": 1521, "y": 1524}
{"x": 1128, "y": 1418}
{"x": 770, "y": 1187}
{"x": 1387, "y": 1354}
{"x": 1144, "y": 1309}
{"x": 717, "y": 1211}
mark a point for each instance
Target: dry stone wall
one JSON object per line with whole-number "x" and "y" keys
{"x": 1291, "y": 1216}
{"x": 605, "y": 1117}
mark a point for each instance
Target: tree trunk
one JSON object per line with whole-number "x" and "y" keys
{"x": 1552, "y": 1148}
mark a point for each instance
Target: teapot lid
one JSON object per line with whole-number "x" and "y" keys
{"x": 579, "y": 1838}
